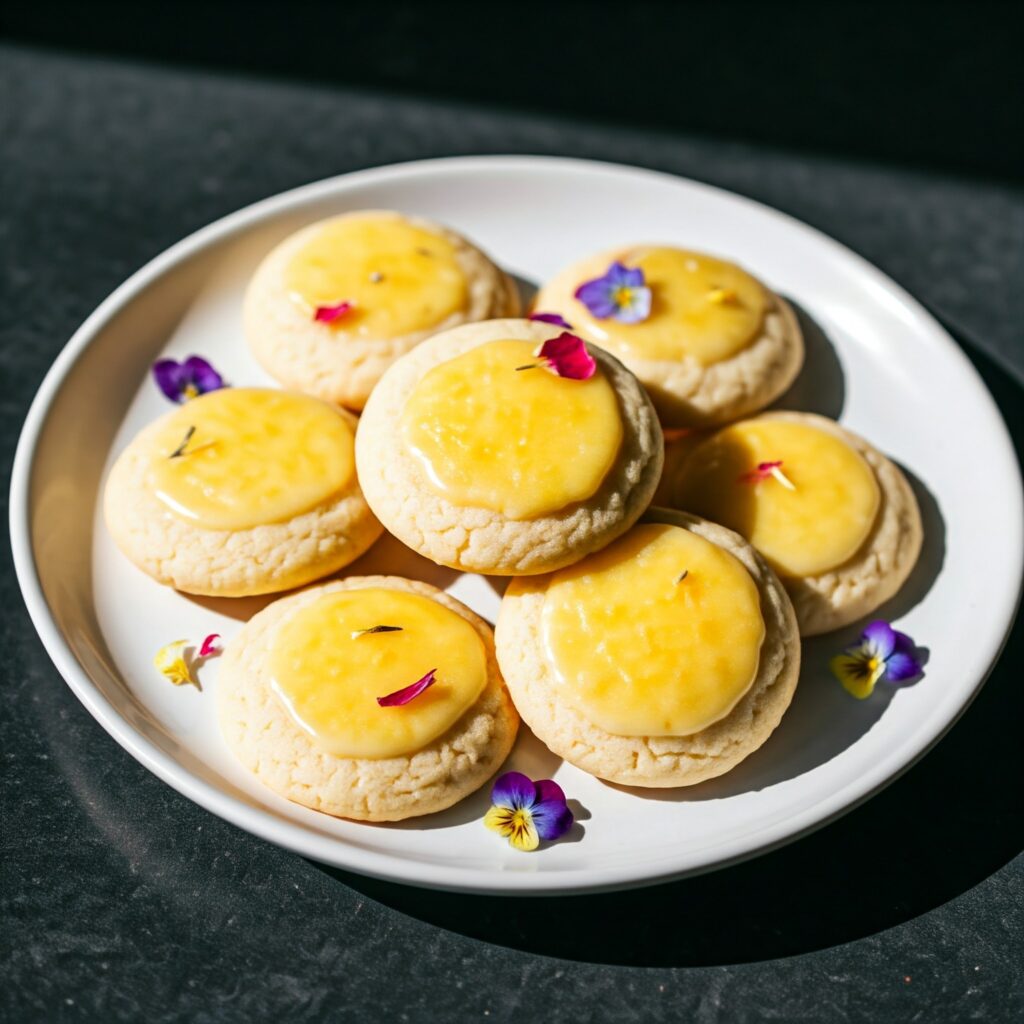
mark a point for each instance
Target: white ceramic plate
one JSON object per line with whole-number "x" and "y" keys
{"x": 877, "y": 361}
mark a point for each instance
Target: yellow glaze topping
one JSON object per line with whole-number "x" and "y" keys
{"x": 329, "y": 674}
{"x": 642, "y": 652}
{"x": 810, "y": 529}
{"x": 399, "y": 277}
{"x": 253, "y": 456}
{"x": 521, "y": 442}
{"x": 702, "y": 308}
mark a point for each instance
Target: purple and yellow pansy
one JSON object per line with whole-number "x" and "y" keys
{"x": 190, "y": 378}
{"x": 881, "y": 653}
{"x": 525, "y": 812}
{"x": 619, "y": 294}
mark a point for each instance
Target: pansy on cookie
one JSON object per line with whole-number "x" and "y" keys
{"x": 508, "y": 447}
{"x": 376, "y": 698}
{"x": 332, "y": 306}
{"x": 709, "y": 341}
{"x": 834, "y": 517}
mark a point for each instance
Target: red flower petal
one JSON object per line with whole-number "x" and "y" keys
{"x": 209, "y": 645}
{"x": 328, "y": 314}
{"x": 567, "y": 356}
{"x": 408, "y": 693}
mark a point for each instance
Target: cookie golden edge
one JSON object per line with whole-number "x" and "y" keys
{"x": 266, "y": 740}
{"x": 263, "y": 559}
{"x": 320, "y": 360}
{"x": 685, "y": 393}
{"x": 653, "y": 762}
{"x": 481, "y": 540}
{"x": 880, "y": 567}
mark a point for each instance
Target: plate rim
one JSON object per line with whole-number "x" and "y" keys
{"x": 392, "y": 867}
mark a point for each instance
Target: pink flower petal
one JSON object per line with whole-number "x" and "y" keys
{"x": 210, "y": 645}
{"x": 567, "y": 356}
{"x": 328, "y": 314}
{"x": 408, "y": 693}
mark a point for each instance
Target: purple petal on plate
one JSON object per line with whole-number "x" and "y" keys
{"x": 902, "y": 666}
{"x": 170, "y": 377}
{"x": 598, "y": 296}
{"x": 551, "y": 818}
{"x": 552, "y": 318}
{"x": 513, "y": 790}
{"x": 881, "y": 638}
{"x": 548, "y": 789}
{"x": 408, "y": 693}
{"x": 202, "y": 374}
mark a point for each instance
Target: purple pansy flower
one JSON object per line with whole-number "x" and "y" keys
{"x": 881, "y": 652}
{"x": 525, "y": 812}
{"x": 552, "y": 318}
{"x": 185, "y": 380}
{"x": 620, "y": 294}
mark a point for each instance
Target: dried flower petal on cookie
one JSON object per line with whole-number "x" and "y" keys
{"x": 619, "y": 294}
{"x": 764, "y": 470}
{"x": 188, "y": 379}
{"x": 551, "y": 318}
{"x": 525, "y": 812}
{"x": 881, "y": 653}
{"x": 328, "y": 314}
{"x": 565, "y": 356}
{"x": 402, "y": 697}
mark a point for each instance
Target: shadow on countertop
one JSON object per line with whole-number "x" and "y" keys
{"x": 946, "y": 825}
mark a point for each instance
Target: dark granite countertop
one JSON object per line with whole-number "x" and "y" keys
{"x": 124, "y": 901}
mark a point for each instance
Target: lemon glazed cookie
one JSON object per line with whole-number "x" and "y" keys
{"x": 376, "y": 698}
{"x": 709, "y": 341}
{"x": 832, "y": 515}
{"x": 241, "y": 491}
{"x": 332, "y": 306}
{"x": 663, "y": 660}
{"x": 506, "y": 447}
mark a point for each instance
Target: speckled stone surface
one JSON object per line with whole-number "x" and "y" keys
{"x": 122, "y": 901}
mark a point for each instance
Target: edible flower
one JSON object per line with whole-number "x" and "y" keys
{"x": 188, "y": 379}
{"x": 175, "y": 662}
{"x": 328, "y": 314}
{"x": 525, "y": 812}
{"x": 375, "y": 629}
{"x": 565, "y": 356}
{"x": 552, "y": 318}
{"x": 881, "y": 653}
{"x": 768, "y": 469}
{"x": 408, "y": 693}
{"x": 619, "y": 295}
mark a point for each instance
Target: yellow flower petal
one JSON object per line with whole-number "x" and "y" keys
{"x": 524, "y": 832}
{"x": 499, "y": 819}
{"x": 857, "y": 673}
{"x": 516, "y": 826}
{"x": 170, "y": 662}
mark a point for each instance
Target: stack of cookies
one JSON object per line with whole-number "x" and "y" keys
{"x": 648, "y": 646}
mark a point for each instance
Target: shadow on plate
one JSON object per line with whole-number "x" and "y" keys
{"x": 820, "y": 386}
{"x": 942, "y": 828}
